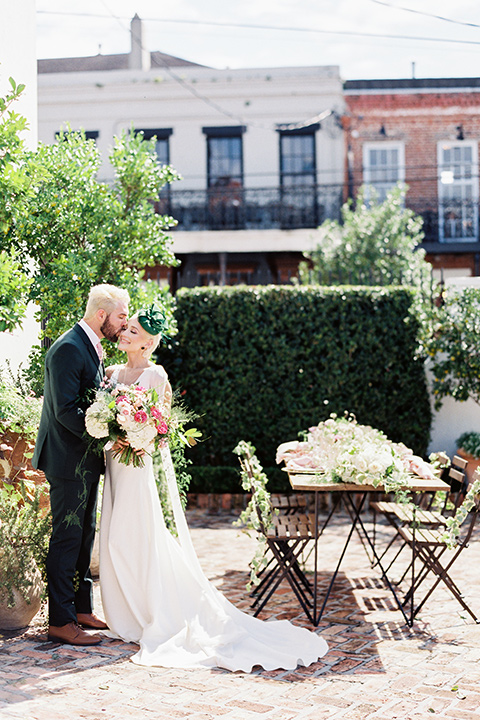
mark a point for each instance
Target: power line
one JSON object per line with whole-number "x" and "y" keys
{"x": 425, "y": 14}
{"x": 208, "y": 101}
{"x": 278, "y": 28}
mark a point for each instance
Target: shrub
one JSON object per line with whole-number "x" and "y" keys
{"x": 263, "y": 363}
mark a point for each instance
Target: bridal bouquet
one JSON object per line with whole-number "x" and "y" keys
{"x": 134, "y": 416}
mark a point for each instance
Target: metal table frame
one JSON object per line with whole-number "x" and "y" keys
{"x": 309, "y": 482}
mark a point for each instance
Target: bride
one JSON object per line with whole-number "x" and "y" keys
{"x": 154, "y": 592}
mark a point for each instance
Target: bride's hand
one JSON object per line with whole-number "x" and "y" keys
{"x": 119, "y": 444}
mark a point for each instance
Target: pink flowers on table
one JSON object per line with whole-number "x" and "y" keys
{"x": 341, "y": 450}
{"x": 133, "y": 415}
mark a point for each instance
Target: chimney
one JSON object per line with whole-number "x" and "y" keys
{"x": 139, "y": 58}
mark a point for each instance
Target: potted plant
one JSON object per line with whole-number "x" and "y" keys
{"x": 20, "y": 414}
{"x": 24, "y": 533}
{"x": 24, "y": 513}
{"x": 468, "y": 445}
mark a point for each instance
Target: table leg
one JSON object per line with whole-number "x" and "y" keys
{"x": 332, "y": 581}
{"x": 358, "y": 519}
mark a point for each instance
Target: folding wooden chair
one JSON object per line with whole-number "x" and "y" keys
{"x": 428, "y": 546}
{"x": 288, "y": 504}
{"x": 286, "y": 539}
{"x": 402, "y": 515}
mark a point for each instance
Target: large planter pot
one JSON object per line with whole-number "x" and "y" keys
{"x": 23, "y": 610}
{"x": 472, "y": 463}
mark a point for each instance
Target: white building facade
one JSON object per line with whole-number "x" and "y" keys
{"x": 260, "y": 151}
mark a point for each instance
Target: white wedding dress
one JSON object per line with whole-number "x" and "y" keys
{"x": 154, "y": 592}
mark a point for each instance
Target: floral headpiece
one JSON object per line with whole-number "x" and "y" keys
{"x": 152, "y": 319}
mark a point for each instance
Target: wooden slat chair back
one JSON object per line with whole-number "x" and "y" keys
{"x": 288, "y": 504}
{"x": 402, "y": 515}
{"x": 286, "y": 537}
{"x": 428, "y": 546}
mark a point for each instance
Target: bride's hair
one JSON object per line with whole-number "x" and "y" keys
{"x": 104, "y": 297}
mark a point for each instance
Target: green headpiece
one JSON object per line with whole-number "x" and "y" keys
{"x": 152, "y": 319}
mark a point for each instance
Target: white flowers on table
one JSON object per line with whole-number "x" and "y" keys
{"x": 341, "y": 450}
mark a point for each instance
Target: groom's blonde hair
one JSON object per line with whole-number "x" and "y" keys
{"x": 104, "y": 297}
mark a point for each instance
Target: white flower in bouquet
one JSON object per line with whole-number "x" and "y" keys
{"x": 97, "y": 417}
{"x": 142, "y": 437}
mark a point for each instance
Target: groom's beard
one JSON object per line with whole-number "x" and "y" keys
{"x": 109, "y": 331}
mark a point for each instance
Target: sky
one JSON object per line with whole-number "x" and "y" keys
{"x": 365, "y": 38}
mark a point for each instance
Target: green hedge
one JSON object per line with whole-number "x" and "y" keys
{"x": 226, "y": 479}
{"x": 263, "y": 363}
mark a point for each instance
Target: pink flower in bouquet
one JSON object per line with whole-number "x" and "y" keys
{"x": 155, "y": 412}
{"x": 120, "y": 399}
{"x": 140, "y": 416}
{"x": 162, "y": 428}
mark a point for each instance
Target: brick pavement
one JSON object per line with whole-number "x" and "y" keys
{"x": 376, "y": 668}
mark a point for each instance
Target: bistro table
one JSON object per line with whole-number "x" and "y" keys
{"x": 310, "y": 481}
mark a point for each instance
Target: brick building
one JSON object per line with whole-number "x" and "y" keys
{"x": 426, "y": 133}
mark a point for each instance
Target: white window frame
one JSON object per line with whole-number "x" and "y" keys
{"x": 447, "y": 182}
{"x": 383, "y": 187}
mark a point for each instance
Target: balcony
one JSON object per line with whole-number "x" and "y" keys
{"x": 240, "y": 208}
{"x": 450, "y": 225}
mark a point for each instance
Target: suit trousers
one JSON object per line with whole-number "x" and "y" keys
{"x": 70, "y": 587}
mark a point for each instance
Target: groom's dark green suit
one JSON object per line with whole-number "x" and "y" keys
{"x": 72, "y": 371}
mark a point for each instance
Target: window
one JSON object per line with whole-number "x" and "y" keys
{"x": 383, "y": 166}
{"x": 224, "y": 156}
{"x": 298, "y": 178}
{"x": 225, "y": 175}
{"x": 458, "y": 191}
{"x": 162, "y": 145}
{"x": 297, "y": 157}
{"x": 162, "y": 148}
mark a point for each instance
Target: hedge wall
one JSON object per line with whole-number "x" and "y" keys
{"x": 263, "y": 363}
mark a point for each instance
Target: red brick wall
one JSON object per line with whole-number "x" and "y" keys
{"x": 420, "y": 121}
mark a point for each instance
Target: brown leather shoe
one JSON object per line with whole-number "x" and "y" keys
{"x": 72, "y": 634}
{"x": 89, "y": 620}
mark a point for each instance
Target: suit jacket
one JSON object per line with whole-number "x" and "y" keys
{"x": 72, "y": 373}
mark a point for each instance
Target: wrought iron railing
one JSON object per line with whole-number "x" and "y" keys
{"x": 447, "y": 221}
{"x": 240, "y": 208}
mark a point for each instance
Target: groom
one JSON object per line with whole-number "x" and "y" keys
{"x": 73, "y": 369}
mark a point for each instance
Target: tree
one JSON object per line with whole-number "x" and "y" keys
{"x": 80, "y": 231}
{"x": 14, "y": 190}
{"x": 452, "y": 343}
{"x": 376, "y": 243}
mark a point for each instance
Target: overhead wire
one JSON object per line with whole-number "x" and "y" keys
{"x": 252, "y": 26}
{"x": 191, "y": 89}
{"x": 425, "y": 14}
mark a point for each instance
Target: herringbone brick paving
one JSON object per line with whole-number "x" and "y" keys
{"x": 376, "y": 669}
